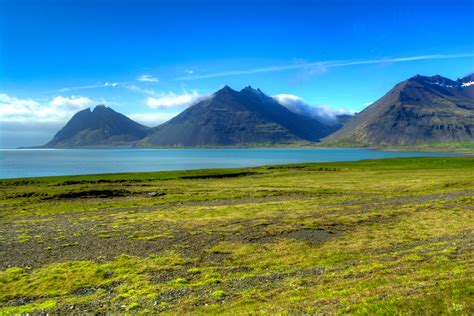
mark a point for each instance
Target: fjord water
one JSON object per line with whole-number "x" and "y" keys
{"x": 18, "y": 163}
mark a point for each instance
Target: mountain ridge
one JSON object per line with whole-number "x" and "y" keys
{"x": 230, "y": 117}
{"x": 101, "y": 126}
{"x": 420, "y": 110}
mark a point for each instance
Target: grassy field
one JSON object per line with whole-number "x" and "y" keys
{"x": 371, "y": 237}
{"x": 467, "y": 147}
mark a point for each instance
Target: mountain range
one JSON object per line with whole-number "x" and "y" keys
{"x": 420, "y": 110}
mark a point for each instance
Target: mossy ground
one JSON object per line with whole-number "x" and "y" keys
{"x": 371, "y": 237}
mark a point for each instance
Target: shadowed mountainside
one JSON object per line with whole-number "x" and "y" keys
{"x": 420, "y": 110}
{"x": 100, "y": 127}
{"x": 232, "y": 117}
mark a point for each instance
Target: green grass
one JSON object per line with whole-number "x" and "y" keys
{"x": 392, "y": 236}
{"x": 465, "y": 147}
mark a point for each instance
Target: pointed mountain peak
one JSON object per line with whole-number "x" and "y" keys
{"x": 100, "y": 108}
{"x": 236, "y": 118}
{"x": 385, "y": 122}
{"x": 101, "y": 126}
{"x": 226, "y": 89}
{"x": 225, "y": 92}
{"x": 250, "y": 89}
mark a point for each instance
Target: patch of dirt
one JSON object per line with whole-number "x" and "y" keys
{"x": 65, "y": 237}
{"x": 313, "y": 236}
{"x": 103, "y": 193}
{"x": 220, "y": 176}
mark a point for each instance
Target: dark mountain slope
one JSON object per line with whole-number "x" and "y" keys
{"x": 231, "y": 117}
{"x": 100, "y": 127}
{"x": 420, "y": 110}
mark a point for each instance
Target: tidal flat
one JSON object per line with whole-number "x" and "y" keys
{"x": 384, "y": 236}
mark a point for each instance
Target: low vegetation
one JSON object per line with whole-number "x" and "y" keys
{"x": 371, "y": 237}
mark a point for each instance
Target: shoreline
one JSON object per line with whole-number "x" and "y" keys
{"x": 467, "y": 150}
{"x": 223, "y": 169}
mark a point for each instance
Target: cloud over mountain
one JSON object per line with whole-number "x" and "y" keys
{"x": 152, "y": 119}
{"x": 322, "y": 112}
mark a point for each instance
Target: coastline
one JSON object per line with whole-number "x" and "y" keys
{"x": 467, "y": 148}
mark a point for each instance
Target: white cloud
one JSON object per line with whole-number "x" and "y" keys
{"x": 322, "y": 112}
{"x": 147, "y": 78}
{"x": 172, "y": 100}
{"x": 59, "y": 109}
{"x": 76, "y": 102}
{"x": 11, "y": 105}
{"x": 28, "y": 122}
{"x": 367, "y": 104}
{"x": 152, "y": 119}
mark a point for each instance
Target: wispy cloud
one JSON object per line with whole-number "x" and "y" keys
{"x": 91, "y": 86}
{"x": 139, "y": 89}
{"x": 147, "y": 78}
{"x": 323, "y": 65}
{"x": 122, "y": 85}
{"x": 173, "y": 100}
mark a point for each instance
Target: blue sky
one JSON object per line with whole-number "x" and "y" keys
{"x": 151, "y": 59}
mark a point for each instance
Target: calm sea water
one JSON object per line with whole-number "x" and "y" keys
{"x": 16, "y": 163}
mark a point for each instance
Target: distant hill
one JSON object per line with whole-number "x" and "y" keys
{"x": 229, "y": 118}
{"x": 100, "y": 127}
{"x": 420, "y": 110}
